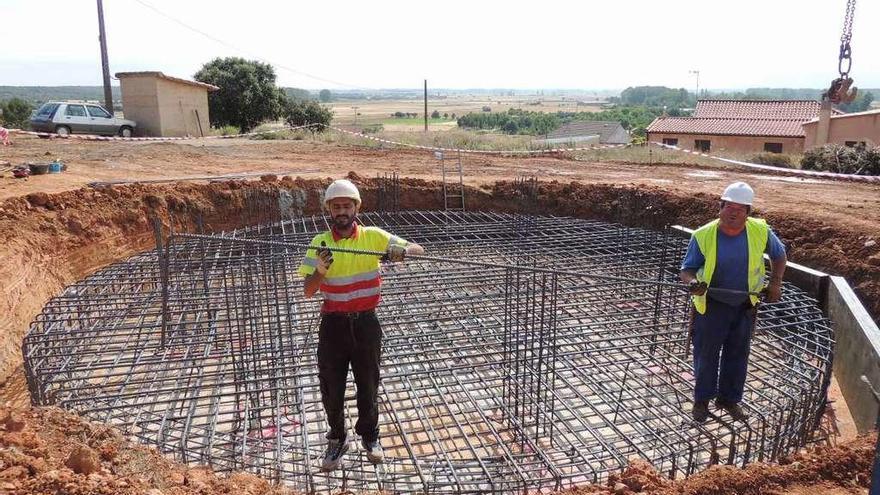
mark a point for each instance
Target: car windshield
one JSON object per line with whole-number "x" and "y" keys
{"x": 98, "y": 112}
{"x": 47, "y": 110}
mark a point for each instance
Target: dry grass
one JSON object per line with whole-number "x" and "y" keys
{"x": 377, "y": 111}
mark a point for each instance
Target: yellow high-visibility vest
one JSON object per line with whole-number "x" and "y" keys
{"x": 706, "y": 236}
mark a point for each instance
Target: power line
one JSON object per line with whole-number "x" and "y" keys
{"x": 233, "y": 47}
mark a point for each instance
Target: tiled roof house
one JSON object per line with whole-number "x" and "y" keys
{"x": 738, "y": 125}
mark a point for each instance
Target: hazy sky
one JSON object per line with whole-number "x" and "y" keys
{"x": 454, "y": 44}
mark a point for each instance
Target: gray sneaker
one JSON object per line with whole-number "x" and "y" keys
{"x": 336, "y": 450}
{"x": 374, "y": 451}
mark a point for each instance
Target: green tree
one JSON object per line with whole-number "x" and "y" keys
{"x": 298, "y": 94}
{"x": 325, "y": 96}
{"x": 435, "y": 114}
{"x": 304, "y": 112}
{"x": 860, "y": 104}
{"x": 16, "y": 113}
{"x": 247, "y": 95}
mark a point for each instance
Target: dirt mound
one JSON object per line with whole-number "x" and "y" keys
{"x": 845, "y": 467}
{"x": 47, "y": 450}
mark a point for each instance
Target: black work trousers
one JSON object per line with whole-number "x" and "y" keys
{"x": 356, "y": 339}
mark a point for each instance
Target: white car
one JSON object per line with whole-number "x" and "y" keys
{"x": 65, "y": 118}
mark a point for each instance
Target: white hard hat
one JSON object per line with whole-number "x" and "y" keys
{"x": 739, "y": 192}
{"x": 342, "y": 188}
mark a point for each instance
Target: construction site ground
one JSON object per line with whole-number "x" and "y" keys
{"x": 55, "y": 229}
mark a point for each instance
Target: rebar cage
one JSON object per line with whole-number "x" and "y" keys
{"x": 494, "y": 379}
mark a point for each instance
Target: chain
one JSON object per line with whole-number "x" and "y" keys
{"x": 844, "y": 63}
{"x": 847, "y": 21}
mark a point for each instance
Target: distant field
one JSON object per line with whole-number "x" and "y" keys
{"x": 381, "y": 111}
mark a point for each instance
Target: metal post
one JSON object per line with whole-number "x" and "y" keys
{"x": 426, "y": 105}
{"x": 105, "y": 63}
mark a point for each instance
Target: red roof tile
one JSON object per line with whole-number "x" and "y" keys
{"x": 801, "y": 110}
{"x": 730, "y": 127}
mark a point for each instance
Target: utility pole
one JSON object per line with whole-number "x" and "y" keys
{"x": 697, "y": 94}
{"x": 426, "y": 105}
{"x": 105, "y": 64}
{"x": 355, "y": 114}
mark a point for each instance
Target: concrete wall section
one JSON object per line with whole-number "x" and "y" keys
{"x": 140, "y": 103}
{"x": 179, "y": 105}
{"x": 853, "y": 128}
{"x": 857, "y": 352}
{"x": 745, "y": 144}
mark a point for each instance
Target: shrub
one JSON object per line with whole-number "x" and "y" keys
{"x": 373, "y": 128}
{"x": 299, "y": 112}
{"x": 435, "y": 114}
{"x": 487, "y": 109}
{"x": 774, "y": 159}
{"x": 16, "y": 113}
{"x": 228, "y": 130}
{"x": 269, "y": 136}
{"x": 843, "y": 159}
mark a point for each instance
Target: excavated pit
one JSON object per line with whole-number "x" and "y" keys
{"x": 496, "y": 379}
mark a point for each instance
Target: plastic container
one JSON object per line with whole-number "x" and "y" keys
{"x": 55, "y": 168}
{"x": 39, "y": 168}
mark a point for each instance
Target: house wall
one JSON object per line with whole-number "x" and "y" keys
{"x": 842, "y": 129}
{"x": 744, "y": 144}
{"x": 140, "y": 103}
{"x": 179, "y": 104}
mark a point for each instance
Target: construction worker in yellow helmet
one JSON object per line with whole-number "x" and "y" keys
{"x": 349, "y": 333}
{"x": 728, "y": 254}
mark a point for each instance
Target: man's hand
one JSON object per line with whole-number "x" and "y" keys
{"x": 697, "y": 288}
{"x": 774, "y": 291}
{"x": 325, "y": 259}
{"x": 395, "y": 253}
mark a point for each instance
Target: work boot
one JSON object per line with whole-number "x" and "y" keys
{"x": 736, "y": 412}
{"x": 336, "y": 450}
{"x": 700, "y": 411}
{"x": 374, "y": 451}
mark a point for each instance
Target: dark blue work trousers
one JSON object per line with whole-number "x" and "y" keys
{"x": 726, "y": 331}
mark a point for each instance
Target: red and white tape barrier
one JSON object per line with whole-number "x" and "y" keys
{"x": 92, "y": 137}
{"x": 759, "y": 166}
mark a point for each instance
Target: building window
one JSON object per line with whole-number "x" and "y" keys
{"x": 773, "y": 147}
{"x": 703, "y": 145}
{"x": 670, "y": 141}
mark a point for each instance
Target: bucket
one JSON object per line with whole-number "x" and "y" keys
{"x": 54, "y": 168}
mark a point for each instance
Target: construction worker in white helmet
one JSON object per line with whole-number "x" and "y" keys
{"x": 727, "y": 254}
{"x": 350, "y": 333}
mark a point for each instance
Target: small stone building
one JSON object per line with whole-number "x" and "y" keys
{"x": 608, "y": 132}
{"x": 165, "y": 106}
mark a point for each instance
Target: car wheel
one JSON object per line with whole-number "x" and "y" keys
{"x": 62, "y": 130}
{"x": 125, "y": 131}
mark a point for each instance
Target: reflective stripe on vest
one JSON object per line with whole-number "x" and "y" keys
{"x": 757, "y": 233}
{"x": 353, "y": 281}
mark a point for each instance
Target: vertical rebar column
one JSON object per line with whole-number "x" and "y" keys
{"x": 529, "y": 361}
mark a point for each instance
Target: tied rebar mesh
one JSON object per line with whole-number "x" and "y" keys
{"x": 495, "y": 379}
